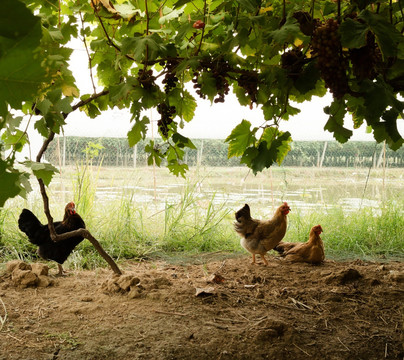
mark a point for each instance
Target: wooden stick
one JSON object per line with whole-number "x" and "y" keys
{"x": 346, "y": 347}
{"x": 305, "y": 352}
{"x": 169, "y": 313}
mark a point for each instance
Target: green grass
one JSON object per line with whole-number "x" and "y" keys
{"x": 200, "y": 221}
{"x": 365, "y": 233}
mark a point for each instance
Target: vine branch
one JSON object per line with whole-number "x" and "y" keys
{"x": 88, "y": 53}
{"x": 109, "y": 40}
{"x": 80, "y": 232}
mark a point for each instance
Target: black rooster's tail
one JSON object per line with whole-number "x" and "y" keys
{"x": 30, "y": 225}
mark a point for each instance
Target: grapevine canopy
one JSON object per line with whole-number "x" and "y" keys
{"x": 143, "y": 54}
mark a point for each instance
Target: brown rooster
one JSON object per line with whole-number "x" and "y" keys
{"x": 311, "y": 251}
{"x": 38, "y": 234}
{"x": 260, "y": 236}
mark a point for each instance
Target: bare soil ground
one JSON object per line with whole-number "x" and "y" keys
{"x": 339, "y": 310}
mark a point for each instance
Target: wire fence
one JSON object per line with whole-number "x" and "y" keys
{"x": 213, "y": 152}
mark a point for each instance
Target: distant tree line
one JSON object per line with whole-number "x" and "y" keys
{"x": 213, "y": 152}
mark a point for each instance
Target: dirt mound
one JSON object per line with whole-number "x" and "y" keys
{"x": 224, "y": 309}
{"x": 24, "y": 275}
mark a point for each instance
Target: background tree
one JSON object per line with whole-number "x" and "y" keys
{"x": 145, "y": 53}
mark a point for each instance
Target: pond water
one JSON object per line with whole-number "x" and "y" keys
{"x": 305, "y": 190}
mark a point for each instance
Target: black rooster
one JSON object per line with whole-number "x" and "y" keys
{"x": 38, "y": 234}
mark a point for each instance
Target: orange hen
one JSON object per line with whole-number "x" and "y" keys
{"x": 311, "y": 251}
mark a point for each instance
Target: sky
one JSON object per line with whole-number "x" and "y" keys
{"x": 210, "y": 120}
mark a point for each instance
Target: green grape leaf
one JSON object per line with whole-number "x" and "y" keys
{"x": 250, "y": 5}
{"x": 353, "y": 33}
{"x": 387, "y": 36}
{"x": 287, "y": 33}
{"x": 42, "y": 171}
{"x": 335, "y": 122}
{"x": 9, "y": 182}
{"x": 21, "y": 73}
{"x": 184, "y": 103}
{"x": 283, "y": 147}
{"x": 390, "y": 116}
{"x": 121, "y": 91}
{"x": 16, "y": 139}
{"x": 249, "y": 155}
{"x": 138, "y": 131}
{"x": 242, "y": 96}
{"x": 136, "y": 46}
{"x": 208, "y": 85}
{"x": 240, "y": 138}
{"x": 182, "y": 141}
{"x": 265, "y": 158}
{"x": 155, "y": 154}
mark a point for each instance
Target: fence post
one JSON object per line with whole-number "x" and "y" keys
{"x": 323, "y": 155}
{"x": 199, "y": 160}
{"x": 134, "y": 156}
{"x": 64, "y": 151}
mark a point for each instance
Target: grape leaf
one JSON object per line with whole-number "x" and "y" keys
{"x": 353, "y": 33}
{"x": 240, "y": 138}
{"x": 265, "y": 158}
{"x": 9, "y": 182}
{"x": 184, "y": 103}
{"x": 287, "y": 33}
{"x": 21, "y": 73}
{"x": 250, "y": 5}
{"x": 183, "y": 141}
{"x": 42, "y": 171}
{"x": 335, "y": 122}
{"x": 387, "y": 36}
{"x": 138, "y": 131}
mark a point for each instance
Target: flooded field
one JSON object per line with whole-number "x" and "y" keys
{"x": 304, "y": 189}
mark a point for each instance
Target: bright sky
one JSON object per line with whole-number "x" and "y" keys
{"x": 210, "y": 121}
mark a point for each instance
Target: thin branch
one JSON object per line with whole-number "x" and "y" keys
{"x": 339, "y": 12}
{"x": 87, "y": 235}
{"x": 88, "y": 53}
{"x": 45, "y": 146}
{"x": 391, "y": 11}
{"x": 203, "y": 30}
{"x": 109, "y": 41}
{"x": 147, "y": 33}
{"x": 84, "y": 102}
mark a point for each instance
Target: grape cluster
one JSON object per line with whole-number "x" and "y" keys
{"x": 146, "y": 78}
{"x": 222, "y": 86}
{"x": 167, "y": 113}
{"x": 292, "y": 61}
{"x": 366, "y": 59}
{"x": 248, "y": 80}
{"x": 170, "y": 80}
{"x": 332, "y": 65}
{"x": 218, "y": 69}
{"x": 197, "y": 86}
